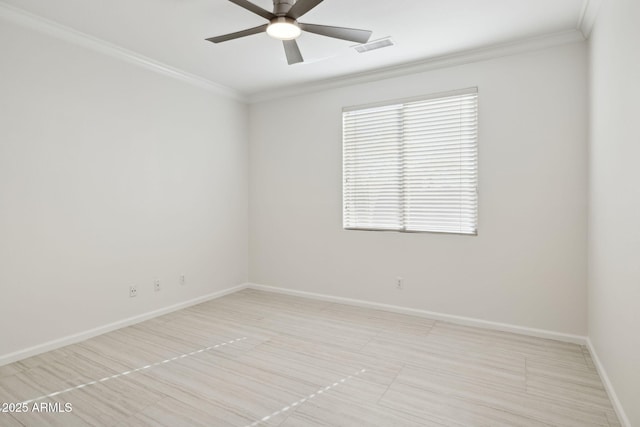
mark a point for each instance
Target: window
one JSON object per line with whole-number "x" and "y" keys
{"x": 412, "y": 165}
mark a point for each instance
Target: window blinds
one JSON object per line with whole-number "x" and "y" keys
{"x": 412, "y": 166}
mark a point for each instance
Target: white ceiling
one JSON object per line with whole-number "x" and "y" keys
{"x": 173, "y": 32}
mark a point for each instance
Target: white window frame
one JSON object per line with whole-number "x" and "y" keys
{"x": 397, "y": 122}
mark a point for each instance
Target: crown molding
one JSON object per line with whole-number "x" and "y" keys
{"x": 588, "y": 16}
{"x": 54, "y": 29}
{"x": 445, "y": 61}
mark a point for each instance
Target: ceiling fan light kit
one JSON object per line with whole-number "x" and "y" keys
{"x": 283, "y": 28}
{"x": 283, "y": 25}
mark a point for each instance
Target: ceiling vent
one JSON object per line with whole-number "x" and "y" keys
{"x": 376, "y": 44}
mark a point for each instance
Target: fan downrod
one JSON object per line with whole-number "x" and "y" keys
{"x": 282, "y": 7}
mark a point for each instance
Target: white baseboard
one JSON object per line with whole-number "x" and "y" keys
{"x": 622, "y": 416}
{"x": 461, "y": 320}
{"x": 468, "y": 321}
{"x": 81, "y": 336}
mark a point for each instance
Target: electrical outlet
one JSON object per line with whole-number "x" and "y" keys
{"x": 133, "y": 291}
{"x": 156, "y": 285}
{"x": 183, "y": 281}
{"x": 399, "y": 283}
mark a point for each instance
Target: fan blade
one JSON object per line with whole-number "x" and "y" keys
{"x": 351, "y": 34}
{"x": 301, "y": 7}
{"x": 237, "y": 35}
{"x": 253, "y": 8}
{"x": 292, "y": 51}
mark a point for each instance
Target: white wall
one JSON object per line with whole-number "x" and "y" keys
{"x": 526, "y": 267}
{"x": 110, "y": 175}
{"x": 614, "y": 228}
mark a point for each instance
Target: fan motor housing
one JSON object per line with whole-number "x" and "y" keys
{"x": 282, "y": 7}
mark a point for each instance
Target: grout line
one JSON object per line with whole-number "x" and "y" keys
{"x": 295, "y": 404}
{"x": 377, "y": 334}
{"x": 125, "y": 373}
{"x": 403, "y": 365}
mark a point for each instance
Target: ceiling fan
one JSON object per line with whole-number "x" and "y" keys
{"x": 283, "y": 25}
